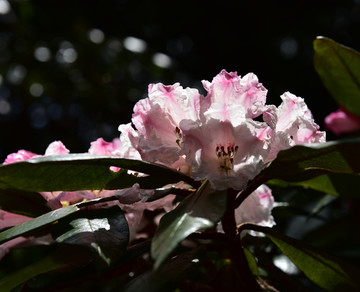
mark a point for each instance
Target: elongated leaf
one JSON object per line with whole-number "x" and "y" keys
{"x": 326, "y": 271}
{"x": 339, "y": 69}
{"x": 344, "y": 185}
{"x": 49, "y": 218}
{"x": 303, "y": 162}
{"x": 84, "y": 172}
{"x": 252, "y": 262}
{"x": 21, "y": 202}
{"x": 198, "y": 211}
{"x": 37, "y": 223}
{"x": 104, "y": 231}
{"x": 57, "y": 259}
{"x": 176, "y": 271}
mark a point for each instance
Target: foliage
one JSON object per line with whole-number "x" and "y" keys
{"x": 89, "y": 245}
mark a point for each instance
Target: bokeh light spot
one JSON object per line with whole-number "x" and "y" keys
{"x": 285, "y": 264}
{"x": 4, "y": 7}
{"x": 16, "y": 74}
{"x": 66, "y": 53}
{"x": 42, "y": 54}
{"x": 37, "y": 114}
{"x": 135, "y": 45}
{"x": 5, "y": 107}
{"x": 96, "y": 36}
{"x": 288, "y": 47}
{"x": 36, "y": 89}
{"x": 162, "y": 60}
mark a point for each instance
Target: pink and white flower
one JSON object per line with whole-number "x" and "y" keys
{"x": 229, "y": 156}
{"x": 157, "y": 120}
{"x": 19, "y": 156}
{"x": 257, "y": 208}
{"x": 54, "y": 148}
{"x": 230, "y": 95}
{"x": 215, "y": 136}
{"x": 342, "y": 121}
{"x": 291, "y": 123}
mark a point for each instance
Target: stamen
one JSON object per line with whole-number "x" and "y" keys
{"x": 226, "y": 157}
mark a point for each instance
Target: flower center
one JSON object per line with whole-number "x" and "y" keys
{"x": 226, "y": 156}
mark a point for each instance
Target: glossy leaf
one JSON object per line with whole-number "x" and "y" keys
{"x": 104, "y": 231}
{"x": 303, "y": 162}
{"x": 48, "y": 218}
{"x": 37, "y": 223}
{"x": 328, "y": 272}
{"x": 306, "y": 162}
{"x": 198, "y": 211}
{"x": 84, "y": 172}
{"x": 339, "y": 69}
{"x": 334, "y": 184}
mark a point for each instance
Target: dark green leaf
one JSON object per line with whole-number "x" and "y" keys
{"x": 326, "y": 271}
{"x": 339, "y": 69}
{"x": 334, "y": 184}
{"x": 176, "y": 270}
{"x": 48, "y": 218}
{"x": 22, "y": 202}
{"x": 84, "y": 172}
{"x": 321, "y": 204}
{"x": 303, "y": 162}
{"x": 104, "y": 231}
{"x": 60, "y": 258}
{"x": 252, "y": 262}
{"x": 37, "y": 223}
{"x": 198, "y": 211}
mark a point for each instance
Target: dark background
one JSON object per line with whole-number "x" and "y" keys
{"x": 58, "y": 83}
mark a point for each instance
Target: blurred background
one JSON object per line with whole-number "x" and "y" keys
{"x": 73, "y": 70}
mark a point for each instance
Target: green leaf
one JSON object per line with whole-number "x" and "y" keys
{"x": 303, "y": 162}
{"x": 176, "y": 270}
{"x": 342, "y": 185}
{"x": 37, "y": 223}
{"x": 339, "y": 69}
{"x": 104, "y": 231}
{"x": 49, "y": 218}
{"x": 84, "y": 172}
{"x": 198, "y": 211}
{"x": 321, "y": 204}
{"x": 59, "y": 258}
{"x": 252, "y": 262}
{"x": 326, "y": 271}
{"x": 22, "y": 202}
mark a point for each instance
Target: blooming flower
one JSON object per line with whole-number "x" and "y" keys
{"x": 54, "y": 148}
{"x": 101, "y": 147}
{"x": 342, "y": 121}
{"x": 229, "y": 93}
{"x": 291, "y": 123}
{"x": 225, "y": 154}
{"x": 226, "y": 145}
{"x": 256, "y": 208}
{"x": 157, "y": 119}
{"x": 216, "y": 136}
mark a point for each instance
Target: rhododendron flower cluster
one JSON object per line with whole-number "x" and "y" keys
{"x": 220, "y": 136}
{"x": 226, "y": 136}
